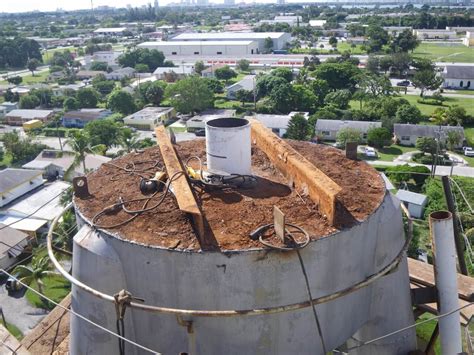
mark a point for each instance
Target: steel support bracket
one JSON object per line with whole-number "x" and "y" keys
{"x": 424, "y": 295}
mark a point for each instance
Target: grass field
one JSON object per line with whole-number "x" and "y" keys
{"x": 30, "y": 79}
{"x": 48, "y": 54}
{"x": 344, "y": 46}
{"x": 467, "y": 103}
{"x": 424, "y": 331}
{"x": 390, "y": 153}
{"x": 55, "y": 288}
{"x": 444, "y": 53}
{"x": 14, "y": 330}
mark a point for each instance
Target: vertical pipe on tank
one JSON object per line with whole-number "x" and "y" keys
{"x": 442, "y": 238}
{"x": 228, "y": 147}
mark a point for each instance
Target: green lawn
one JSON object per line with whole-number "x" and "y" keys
{"x": 424, "y": 332}
{"x": 30, "y": 79}
{"x": 467, "y": 103}
{"x": 462, "y": 92}
{"x": 14, "y": 330}
{"x": 55, "y": 287}
{"x": 344, "y": 46}
{"x": 390, "y": 153}
{"x": 469, "y": 134}
{"x": 444, "y": 53}
{"x": 48, "y": 55}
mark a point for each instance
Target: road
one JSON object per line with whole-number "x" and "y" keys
{"x": 440, "y": 170}
{"x": 414, "y": 91}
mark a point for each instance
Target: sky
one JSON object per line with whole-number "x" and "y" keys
{"x": 51, "y": 5}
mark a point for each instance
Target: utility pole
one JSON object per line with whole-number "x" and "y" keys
{"x": 457, "y": 235}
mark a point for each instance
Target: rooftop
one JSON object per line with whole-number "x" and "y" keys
{"x": 228, "y": 35}
{"x": 29, "y": 114}
{"x": 230, "y": 215}
{"x": 11, "y": 237}
{"x": 148, "y": 113}
{"x": 11, "y": 178}
{"x": 111, "y": 29}
{"x": 401, "y": 129}
{"x": 334, "y": 125}
{"x": 196, "y": 43}
{"x": 411, "y": 197}
{"x": 458, "y": 72}
{"x": 273, "y": 121}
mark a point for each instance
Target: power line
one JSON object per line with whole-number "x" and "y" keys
{"x": 462, "y": 194}
{"x": 410, "y": 326}
{"x": 81, "y": 316}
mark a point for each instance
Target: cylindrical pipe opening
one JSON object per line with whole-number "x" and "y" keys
{"x": 440, "y": 215}
{"x": 227, "y": 122}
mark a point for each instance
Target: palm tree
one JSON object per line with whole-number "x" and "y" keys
{"x": 80, "y": 144}
{"x": 36, "y": 272}
{"x": 129, "y": 141}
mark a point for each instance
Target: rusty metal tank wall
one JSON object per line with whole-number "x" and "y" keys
{"x": 248, "y": 279}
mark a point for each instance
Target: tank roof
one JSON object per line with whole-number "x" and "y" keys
{"x": 230, "y": 215}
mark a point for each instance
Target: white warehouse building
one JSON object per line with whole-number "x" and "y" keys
{"x": 280, "y": 39}
{"x": 186, "y": 48}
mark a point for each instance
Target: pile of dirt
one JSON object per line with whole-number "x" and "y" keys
{"x": 230, "y": 214}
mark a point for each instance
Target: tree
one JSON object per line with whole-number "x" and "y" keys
{"x": 243, "y": 65}
{"x": 99, "y": 66}
{"x": 104, "y": 87}
{"x": 128, "y": 140}
{"x": 426, "y": 80}
{"x": 266, "y": 83}
{"x": 375, "y": 85}
{"x": 121, "y": 101}
{"x": 22, "y": 150}
{"x": 378, "y": 37}
{"x": 70, "y": 104}
{"x": 244, "y": 95}
{"x": 298, "y": 128}
{"x": 150, "y": 57}
{"x": 268, "y": 45}
{"x": 225, "y": 73}
{"x": 338, "y": 98}
{"x": 427, "y": 145}
{"x": 11, "y": 96}
{"x": 453, "y": 139}
{"x": 348, "y": 135}
{"x": 80, "y": 144}
{"x": 379, "y": 137}
{"x": 15, "y": 80}
{"x": 385, "y": 63}
{"x": 456, "y": 115}
{"x": 214, "y": 85}
{"x": 320, "y": 89}
{"x": 87, "y": 98}
{"x": 304, "y": 98}
{"x": 190, "y": 95}
{"x": 142, "y": 68}
{"x": 39, "y": 269}
{"x": 199, "y": 67}
{"x": 338, "y": 75}
{"x": 408, "y": 114}
{"x": 155, "y": 93}
{"x": 29, "y": 101}
{"x": 282, "y": 98}
{"x": 373, "y": 63}
{"x": 401, "y": 63}
{"x": 104, "y": 132}
{"x": 405, "y": 41}
{"x": 333, "y": 41}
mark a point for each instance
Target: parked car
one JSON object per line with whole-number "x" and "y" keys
{"x": 12, "y": 285}
{"x": 468, "y": 151}
{"x": 370, "y": 152}
{"x": 201, "y": 132}
{"x": 403, "y": 83}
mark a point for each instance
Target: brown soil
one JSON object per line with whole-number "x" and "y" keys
{"x": 231, "y": 215}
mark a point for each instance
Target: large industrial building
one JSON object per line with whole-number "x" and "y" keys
{"x": 186, "y": 48}
{"x": 280, "y": 39}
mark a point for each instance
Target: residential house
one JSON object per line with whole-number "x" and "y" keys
{"x": 328, "y": 129}
{"x": 175, "y": 73}
{"x": 40, "y": 206}
{"x": 14, "y": 183}
{"x": 20, "y": 116}
{"x": 79, "y": 118}
{"x": 209, "y": 72}
{"x": 247, "y": 83}
{"x": 199, "y": 121}
{"x": 407, "y": 134}
{"x": 468, "y": 41}
{"x": 424, "y": 34}
{"x": 110, "y": 32}
{"x": 108, "y": 57}
{"x": 149, "y": 118}
{"x": 88, "y": 74}
{"x": 414, "y": 202}
{"x": 121, "y": 73}
{"x": 62, "y": 90}
{"x": 6, "y": 107}
{"x": 277, "y": 123}
{"x": 317, "y": 23}
{"x": 13, "y": 242}
{"x": 458, "y": 77}
{"x": 55, "y": 163}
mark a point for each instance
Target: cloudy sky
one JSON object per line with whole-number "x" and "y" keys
{"x": 48, "y": 5}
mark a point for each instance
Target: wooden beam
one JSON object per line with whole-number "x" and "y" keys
{"x": 296, "y": 168}
{"x": 183, "y": 192}
{"x": 9, "y": 344}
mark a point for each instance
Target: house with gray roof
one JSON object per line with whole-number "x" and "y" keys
{"x": 18, "y": 117}
{"x": 407, "y": 134}
{"x": 121, "y": 73}
{"x": 14, "y": 183}
{"x": 414, "y": 202}
{"x": 458, "y": 77}
{"x": 13, "y": 244}
{"x": 247, "y": 83}
{"x": 328, "y": 129}
{"x": 79, "y": 118}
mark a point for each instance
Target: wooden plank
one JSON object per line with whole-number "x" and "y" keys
{"x": 296, "y": 168}
{"x": 423, "y": 274}
{"x": 184, "y": 195}
{"x": 9, "y": 344}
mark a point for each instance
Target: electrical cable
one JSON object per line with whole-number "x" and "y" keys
{"x": 81, "y": 316}
{"x": 462, "y": 194}
{"x": 410, "y": 327}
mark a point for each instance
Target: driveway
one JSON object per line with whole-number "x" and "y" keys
{"x": 18, "y": 311}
